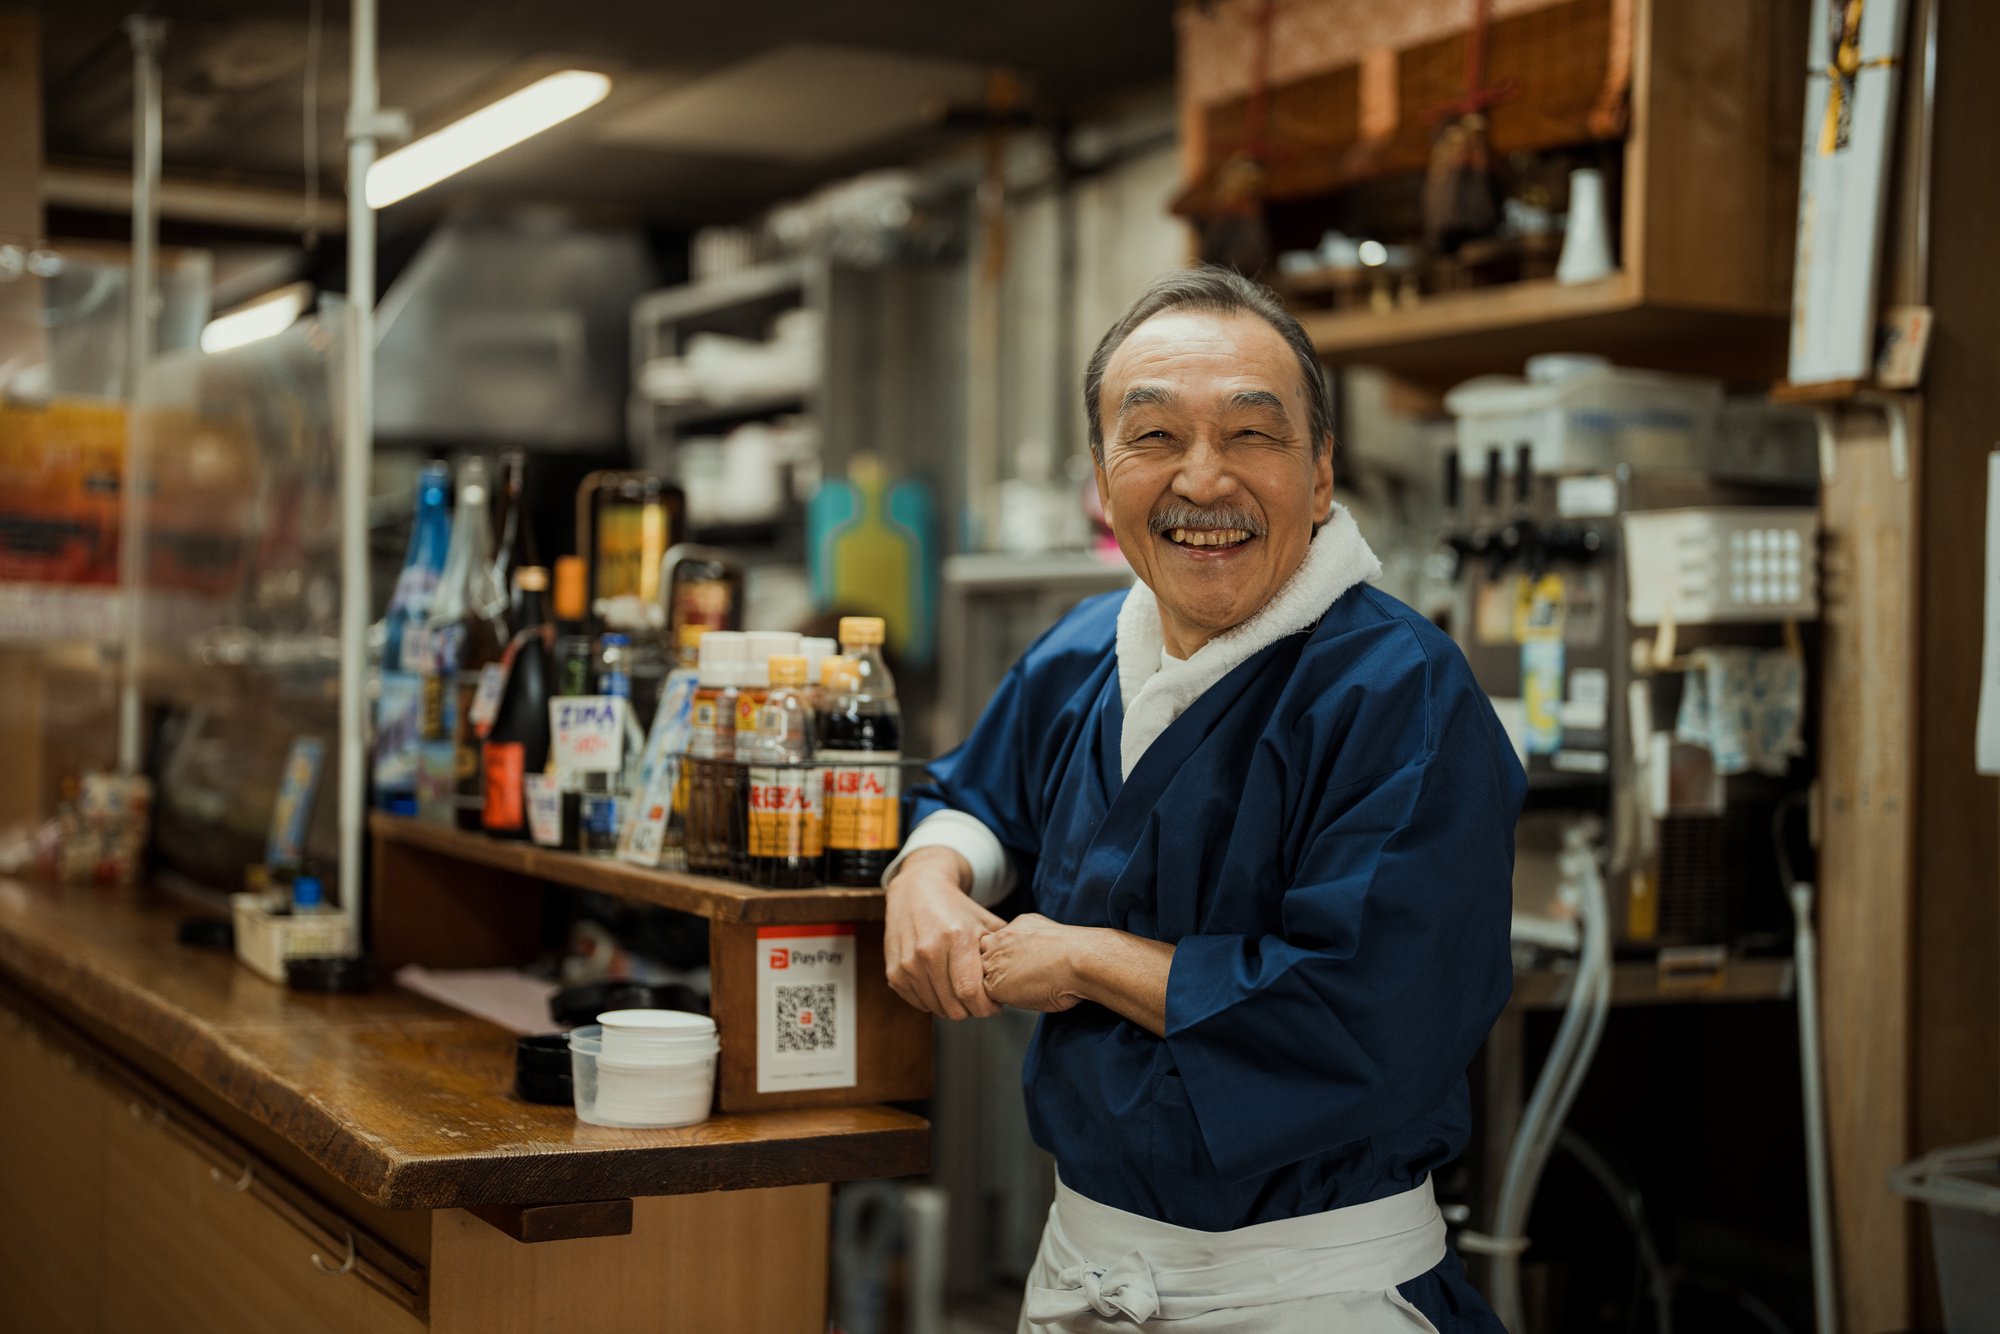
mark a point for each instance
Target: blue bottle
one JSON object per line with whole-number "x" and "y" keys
{"x": 406, "y": 656}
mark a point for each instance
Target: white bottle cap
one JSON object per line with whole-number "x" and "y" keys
{"x": 720, "y": 654}
{"x": 763, "y": 646}
{"x": 814, "y": 650}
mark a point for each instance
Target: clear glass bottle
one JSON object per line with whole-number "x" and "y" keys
{"x": 784, "y": 837}
{"x": 399, "y": 706}
{"x": 711, "y": 762}
{"x": 861, "y": 735}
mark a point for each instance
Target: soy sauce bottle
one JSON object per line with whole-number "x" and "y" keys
{"x": 784, "y": 833}
{"x": 860, "y": 749}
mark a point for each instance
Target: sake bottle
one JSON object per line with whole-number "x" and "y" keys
{"x": 516, "y": 527}
{"x": 399, "y": 708}
{"x": 861, "y": 737}
{"x": 784, "y": 833}
{"x": 518, "y": 743}
{"x": 468, "y": 630}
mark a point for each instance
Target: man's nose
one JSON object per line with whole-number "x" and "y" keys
{"x": 1204, "y": 477}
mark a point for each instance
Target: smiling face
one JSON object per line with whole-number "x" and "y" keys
{"x": 1209, "y": 476}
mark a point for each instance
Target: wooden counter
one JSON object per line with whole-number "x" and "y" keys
{"x": 385, "y": 1117}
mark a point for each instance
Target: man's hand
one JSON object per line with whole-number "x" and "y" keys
{"x": 1033, "y": 963}
{"x": 931, "y": 939}
{"x": 1036, "y": 964}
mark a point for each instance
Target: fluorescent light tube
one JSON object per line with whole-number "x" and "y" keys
{"x": 491, "y": 129}
{"x": 265, "y": 317}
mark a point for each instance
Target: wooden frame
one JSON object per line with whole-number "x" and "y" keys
{"x": 445, "y": 898}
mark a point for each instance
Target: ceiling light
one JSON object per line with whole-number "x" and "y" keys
{"x": 491, "y": 129}
{"x": 1373, "y": 253}
{"x": 268, "y": 315}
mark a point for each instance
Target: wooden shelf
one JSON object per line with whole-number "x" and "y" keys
{"x": 680, "y": 417}
{"x": 1456, "y": 335}
{"x": 1640, "y": 983}
{"x": 705, "y": 896}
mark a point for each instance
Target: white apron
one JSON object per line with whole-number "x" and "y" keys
{"x": 1103, "y": 1271}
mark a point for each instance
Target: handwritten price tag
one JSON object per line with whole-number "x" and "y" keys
{"x": 588, "y": 733}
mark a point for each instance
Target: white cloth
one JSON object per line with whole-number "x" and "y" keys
{"x": 1157, "y": 687}
{"x": 1101, "y": 1270}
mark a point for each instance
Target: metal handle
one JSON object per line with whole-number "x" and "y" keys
{"x": 241, "y": 1184}
{"x": 319, "y": 1261}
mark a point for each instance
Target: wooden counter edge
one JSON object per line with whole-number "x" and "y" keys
{"x": 111, "y": 1012}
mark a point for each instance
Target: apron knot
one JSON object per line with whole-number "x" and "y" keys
{"x": 1123, "y": 1288}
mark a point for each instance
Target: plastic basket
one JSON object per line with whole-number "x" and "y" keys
{"x": 1962, "y": 1188}
{"x": 266, "y": 939}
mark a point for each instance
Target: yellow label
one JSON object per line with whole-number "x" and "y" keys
{"x": 863, "y": 807}
{"x": 785, "y": 813}
{"x": 1538, "y": 608}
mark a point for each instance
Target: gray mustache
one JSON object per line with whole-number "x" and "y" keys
{"x": 1180, "y": 514}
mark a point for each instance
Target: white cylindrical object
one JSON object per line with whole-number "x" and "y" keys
{"x": 1586, "y": 252}
{"x": 147, "y": 36}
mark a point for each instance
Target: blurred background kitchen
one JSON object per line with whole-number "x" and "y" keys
{"x": 1661, "y": 337}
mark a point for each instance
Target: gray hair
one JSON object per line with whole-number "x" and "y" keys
{"x": 1218, "y": 291}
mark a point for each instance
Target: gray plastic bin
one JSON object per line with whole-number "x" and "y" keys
{"x": 1962, "y": 1188}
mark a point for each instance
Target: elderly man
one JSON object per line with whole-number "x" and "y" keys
{"x": 1266, "y": 818}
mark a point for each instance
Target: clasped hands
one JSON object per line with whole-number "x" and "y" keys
{"x": 948, "y": 955}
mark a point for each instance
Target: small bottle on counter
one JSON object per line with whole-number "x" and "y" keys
{"x": 785, "y": 842}
{"x": 711, "y": 752}
{"x": 861, "y": 736}
{"x": 754, "y": 687}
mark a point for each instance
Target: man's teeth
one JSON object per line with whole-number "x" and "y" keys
{"x": 1208, "y": 537}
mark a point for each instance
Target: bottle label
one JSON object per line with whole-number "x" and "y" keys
{"x": 506, "y": 767}
{"x": 436, "y": 719}
{"x": 465, "y": 736}
{"x": 399, "y": 711}
{"x": 701, "y": 727}
{"x": 749, "y": 708}
{"x": 864, "y": 800}
{"x": 785, "y": 819}
{"x": 486, "y": 699}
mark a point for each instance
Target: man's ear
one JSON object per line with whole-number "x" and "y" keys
{"x": 1322, "y": 475}
{"x": 1103, "y": 492}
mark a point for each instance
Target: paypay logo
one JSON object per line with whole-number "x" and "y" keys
{"x": 781, "y": 958}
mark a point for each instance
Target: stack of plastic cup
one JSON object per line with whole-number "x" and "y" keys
{"x": 644, "y": 1068}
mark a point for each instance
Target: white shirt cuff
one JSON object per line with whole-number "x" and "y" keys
{"x": 992, "y": 869}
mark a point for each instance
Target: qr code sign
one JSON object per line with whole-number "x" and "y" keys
{"x": 807, "y": 1018}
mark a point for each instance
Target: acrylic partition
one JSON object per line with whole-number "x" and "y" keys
{"x": 63, "y": 431}
{"x": 237, "y": 455}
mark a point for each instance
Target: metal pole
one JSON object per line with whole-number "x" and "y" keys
{"x": 365, "y": 122}
{"x": 147, "y": 36}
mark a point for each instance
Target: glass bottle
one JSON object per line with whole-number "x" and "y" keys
{"x": 515, "y": 525}
{"x": 399, "y": 708}
{"x": 518, "y": 742}
{"x": 468, "y": 630}
{"x": 784, "y": 835}
{"x": 861, "y": 737}
{"x": 711, "y": 762}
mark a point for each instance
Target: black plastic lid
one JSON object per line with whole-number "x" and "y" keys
{"x": 333, "y": 973}
{"x": 209, "y": 933}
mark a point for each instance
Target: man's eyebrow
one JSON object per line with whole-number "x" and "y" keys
{"x": 1149, "y": 396}
{"x": 1257, "y": 398}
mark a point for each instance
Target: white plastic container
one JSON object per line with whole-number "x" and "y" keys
{"x": 1584, "y": 415}
{"x": 266, "y": 939}
{"x": 649, "y": 1089}
{"x": 1962, "y": 1188}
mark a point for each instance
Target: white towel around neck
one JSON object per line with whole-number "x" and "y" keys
{"x": 1157, "y": 688}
